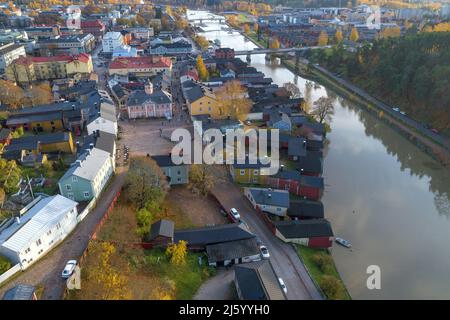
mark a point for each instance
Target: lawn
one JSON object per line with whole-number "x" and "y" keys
{"x": 318, "y": 273}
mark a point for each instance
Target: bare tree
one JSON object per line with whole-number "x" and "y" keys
{"x": 323, "y": 109}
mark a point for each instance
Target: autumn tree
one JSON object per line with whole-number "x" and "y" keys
{"x": 2, "y": 197}
{"x": 201, "y": 68}
{"x": 338, "y": 36}
{"x": 323, "y": 39}
{"x": 392, "y": 32}
{"x": 255, "y": 28}
{"x": 145, "y": 182}
{"x": 11, "y": 95}
{"x": 323, "y": 109}
{"x": 110, "y": 283}
{"x": 234, "y": 101}
{"x": 10, "y": 175}
{"x": 331, "y": 287}
{"x": 201, "y": 178}
{"x": 39, "y": 94}
{"x": 177, "y": 253}
{"x": 246, "y": 28}
{"x": 354, "y": 35}
{"x": 202, "y": 42}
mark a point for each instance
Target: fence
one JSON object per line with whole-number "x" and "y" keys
{"x": 86, "y": 210}
{"x": 9, "y": 273}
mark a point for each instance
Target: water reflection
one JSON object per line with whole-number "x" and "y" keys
{"x": 382, "y": 193}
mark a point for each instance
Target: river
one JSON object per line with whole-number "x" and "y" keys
{"x": 385, "y": 195}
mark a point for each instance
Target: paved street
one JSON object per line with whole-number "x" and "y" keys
{"x": 47, "y": 271}
{"x": 284, "y": 259}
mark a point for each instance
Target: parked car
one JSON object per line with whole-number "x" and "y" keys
{"x": 396, "y": 109}
{"x": 69, "y": 268}
{"x": 264, "y": 252}
{"x": 403, "y": 113}
{"x": 435, "y": 131}
{"x": 235, "y": 214}
{"x": 283, "y": 286}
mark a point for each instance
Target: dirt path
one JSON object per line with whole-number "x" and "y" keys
{"x": 219, "y": 287}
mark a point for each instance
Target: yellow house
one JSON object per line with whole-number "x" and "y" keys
{"x": 29, "y": 69}
{"x": 45, "y": 122}
{"x": 202, "y": 101}
{"x": 46, "y": 143}
{"x": 248, "y": 173}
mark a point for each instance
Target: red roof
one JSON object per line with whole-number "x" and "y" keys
{"x": 83, "y": 57}
{"x": 140, "y": 62}
{"x": 92, "y": 24}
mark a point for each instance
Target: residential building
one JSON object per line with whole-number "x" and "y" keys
{"x": 42, "y": 32}
{"x": 30, "y": 69}
{"x": 149, "y": 104}
{"x": 31, "y": 235}
{"x": 124, "y": 51}
{"x": 87, "y": 177}
{"x": 248, "y": 172}
{"x": 257, "y": 281}
{"x": 59, "y": 142}
{"x": 309, "y": 187}
{"x": 315, "y": 233}
{"x": 9, "y": 53}
{"x": 9, "y": 35}
{"x": 201, "y": 100}
{"x": 37, "y": 122}
{"x": 176, "y": 174}
{"x": 111, "y": 41}
{"x": 141, "y": 33}
{"x": 268, "y": 200}
{"x": 94, "y": 27}
{"x": 66, "y": 45}
{"x": 140, "y": 66}
{"x": 175, "y": 48}
{"x": 224, "y": 53}
{"x": 102, "y": 124}
{"x": 233, "y": 252}
{"x": 101, "y": 140}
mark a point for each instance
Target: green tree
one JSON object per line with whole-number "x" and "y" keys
{"x": 5, "y": 265}
{"x": 145, "y": 182}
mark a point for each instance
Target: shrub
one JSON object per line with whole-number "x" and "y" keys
{"x": 5, "y": 265}
{"x": 331, "y": 286}
{"x": 323, "y": 261}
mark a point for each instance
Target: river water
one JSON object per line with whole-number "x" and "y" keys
{"x": 382, "y": 193}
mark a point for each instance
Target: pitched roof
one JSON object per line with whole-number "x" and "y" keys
{"x": 91, "y": 162}
{"x": 83, "y": 57}
{"x": 164, "y": 161}
{"x": 4, "y": 133}
{"x": 140, "y": 62}
{"x": 306, "y": 209}
{"x": 297, "y": 146}
{"x": 258, "y": 281}
{"x": 20, "y": 292}
{"x": 106, "y": 141}
{"x": 43, "y": 215}
{"x": 157, "y": 97}
{"x": 297, "y": 229}
{"x": 270, "y": 197}
{"x": 232, "y": 250}
{"x": 213, "y": 235}
{"x": 163, "y": 228}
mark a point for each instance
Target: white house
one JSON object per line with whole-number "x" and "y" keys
{"x": 87, "y": 177}
{"x": 101, "y": 123}
{"x": 39, "y": 229}
{"x": 269, "y": 200}
{"x": 9, "y": 53}
{"x": 124, "y": 51}
{"x": 111, "y": 41}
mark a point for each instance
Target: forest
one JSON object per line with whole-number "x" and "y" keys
{"x": 411, "y": 72}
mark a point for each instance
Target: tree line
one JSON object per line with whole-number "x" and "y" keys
{"x": 412, "y": 72}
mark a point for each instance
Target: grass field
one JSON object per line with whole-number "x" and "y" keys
{"x": 318, "y": 273}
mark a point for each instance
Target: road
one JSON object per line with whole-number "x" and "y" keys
{"x": 284, "y": 259}
{"x": 219, "y": 287}
{"x": 47, "y": 271}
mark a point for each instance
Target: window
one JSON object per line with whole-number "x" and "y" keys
{"x": 58, "y": 226}
{"x": 86, "y": 194}
{"x": 278, "y": 209}
{"x": 242, "y": 172}
{"x": 39, "y": 242}
{"x": 74, "y": 178}
{"x": 27, "y": 250}
{"x": 68, "y": 187}
{"x": 49, "y": 232}
{"x": 178, "y": 172}
{"x": 255, "y": 171}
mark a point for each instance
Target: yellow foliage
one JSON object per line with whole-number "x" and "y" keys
{"x": 177, "y": 252}
{"x": 323, "y": 39}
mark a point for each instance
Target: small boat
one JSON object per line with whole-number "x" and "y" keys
{"x": 343, "y": 242}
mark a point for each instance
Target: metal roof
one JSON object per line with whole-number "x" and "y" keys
{"x": 262, "y": 196}
{"x": 91, "y": 162}
{"x": 42, "y": 216}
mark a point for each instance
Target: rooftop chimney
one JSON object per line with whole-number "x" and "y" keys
{"x": 79, "y": 163}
